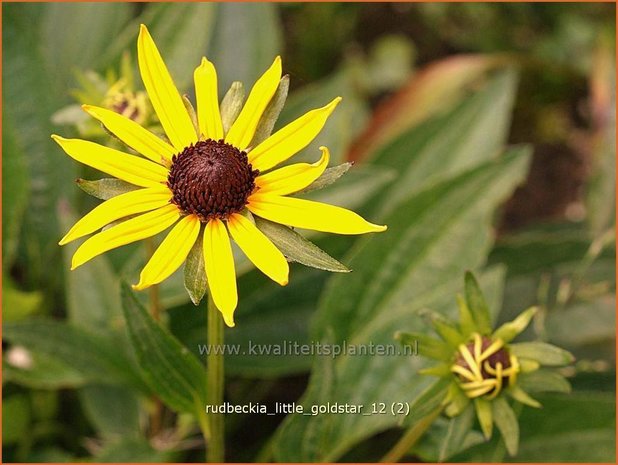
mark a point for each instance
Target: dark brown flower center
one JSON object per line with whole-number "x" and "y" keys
{"x": 211, "y": 179}
{"x": 488, "y": 364}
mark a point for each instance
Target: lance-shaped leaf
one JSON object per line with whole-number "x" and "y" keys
{"x": 329, "y": 176}
{"x": 507, "y": 423}
{"x": 545, "y": 354}
{"x": 195, "y": 273}
{"x": 477, "y": 304}
{"x": 169, "y": 368}
{"x": 270, "y": 115}
{"x": 508, "y": 331}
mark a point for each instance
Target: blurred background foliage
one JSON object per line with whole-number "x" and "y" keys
{"x": 438, "y": 99}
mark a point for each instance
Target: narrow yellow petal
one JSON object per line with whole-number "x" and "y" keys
{"x": 128, "y": 131}
{"x": 132, "y": 230}
{"x": 130, "y": 168}
{"x": 292, "y": 178}
{"x": 207, "y": 97}
{"x": 219, "y": 263}
{"x": 171, "y": 253}
{"x": 163, "y": 94}
{"x": 131, "y": 203}
{"x": 290, "y": 139}
{"x": 308, "y": 214}
{"x": 241, "y": 132}
{"x": 258, "y": 248}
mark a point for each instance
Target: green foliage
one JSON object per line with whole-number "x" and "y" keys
{"x": 83, "y": 360}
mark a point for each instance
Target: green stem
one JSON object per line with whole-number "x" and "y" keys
{"x": 215, "y": 448}
{"x": 405, "y": 443}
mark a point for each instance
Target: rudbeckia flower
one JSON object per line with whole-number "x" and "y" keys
{"x": 205, "y": 181}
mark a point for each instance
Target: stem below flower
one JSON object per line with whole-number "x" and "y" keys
{"x": 215, "y": 448}
{"x": 405, "y": 443}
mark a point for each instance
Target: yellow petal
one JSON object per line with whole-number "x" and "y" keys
{"x": 132, "y": 134}
{"x": 163, "y": 94}
{"x": 241, "y": 132}
{"x": 207, "y": 97}
{"x": 219, "y": 263}
{"x": 258, "y": 248}
{"x": 132, "y": 230}
{"x": 308, "y": 214}
{"x": 171, "y": 253}
{"x": 130, "y": 168}
{"x": 290, "y": 139}
{"x": 292, "y": 178}
{"x": 131, "y": 203}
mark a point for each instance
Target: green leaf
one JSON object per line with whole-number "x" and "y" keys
{"x": 446, "y": 329}
{"x": 92, "y": 26}
{"x": 91, "y": 355}
{"x": 254, "y": 31}
{"x": 507, "y": 423}
{"x": 545, "y": 354}
{"x": 15, "y": 418}
{"x": 130, "y": 450}
{"x": 195, "y": 273}
{"x": 18, "y": 304}
{"x": 28, "y": 102}
{"x": 544, "y": 381}
{"x": 170, "y": 369}
{"x": 522, "y": 396}
{"x": 508, "y": 331}
{"x": 298, "y": 249}
{"x": 105, "y": 188}
{"x": 15, "y": 190}
{"x": 477, "y": 305}
{"x": 386, "y": 292}
{"x": 443, "y": 147}
{"x": 271, "y": 113}
{"x": 484, "y": 415}
{"x": 39, "y": 370}
{"x": 112, "y": 410}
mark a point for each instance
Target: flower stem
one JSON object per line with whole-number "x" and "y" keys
{"x": 405, "y": 443}
{"x": 154, "y": 301}
{"x": 215, "y": 448}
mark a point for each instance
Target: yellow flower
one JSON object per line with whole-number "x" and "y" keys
{"x": 208, "y": 178}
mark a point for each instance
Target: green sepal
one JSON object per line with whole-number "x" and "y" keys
{"x": 298, "y": 249}
{"x": 328, "y": 177}
{"x": 440, "y": 370}
{"x": 191, "y": 111}
{"x": 466, "y": 323}
{"x": 484, "y": 414}
{"x": 543, "y": 353}
{"x": 458, "y": 401}
{"x": 427, "y": 346}
{"x": 544, "y": 381}
{"x": 522, "y": 396}
{"x": 507, "y": 424}
{"x": 195, "y": 280}
{"x": 508, "y": 331}
{"x": 446, "y": 329}
{"x": 477, "y": 304}
{"x": 271, "y": 113}
{"x": 527, "y": 365}
{"x": 231, "y": 105}
{"x": 105, "y": 188}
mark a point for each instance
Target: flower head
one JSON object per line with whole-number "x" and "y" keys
{"x": 206, "y": 181}
{"x": 484, "y": 367}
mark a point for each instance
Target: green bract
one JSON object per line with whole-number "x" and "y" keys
{"x": 483, "y": 368}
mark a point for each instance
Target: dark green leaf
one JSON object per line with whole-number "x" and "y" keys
{"x": 113, "y": 410}
{"x": 329, "y": 176}
{"x": 170, "y": 370}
